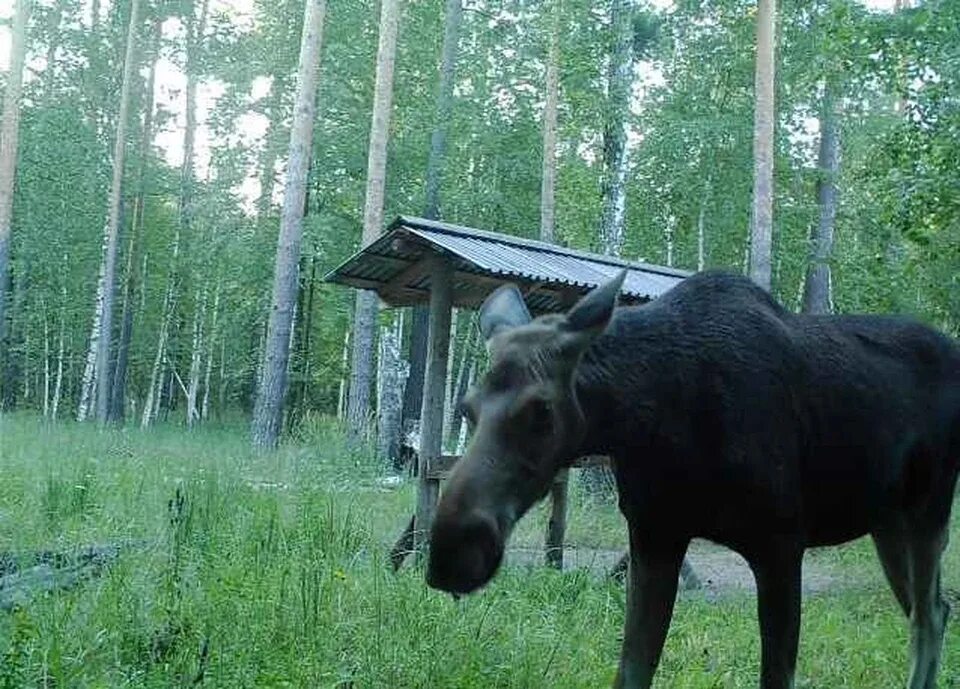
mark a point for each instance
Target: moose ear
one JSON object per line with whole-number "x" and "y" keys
{"x": 589, "y": 316}
{"x": 502, "y": 310}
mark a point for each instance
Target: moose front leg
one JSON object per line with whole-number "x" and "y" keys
{"x": 777, "y": 571}
{"x": 652, "y": 575}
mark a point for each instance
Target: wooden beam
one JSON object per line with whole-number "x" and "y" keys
{"x": 434, "y": 387}
{"x": 557, "y": 526}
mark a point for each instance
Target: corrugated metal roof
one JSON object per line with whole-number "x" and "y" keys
{"x": 481, "y": 260}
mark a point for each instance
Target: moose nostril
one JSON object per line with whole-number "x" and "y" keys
{"x": 464, "y": 553}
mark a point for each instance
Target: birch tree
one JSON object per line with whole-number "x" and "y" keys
{"x": 100, "y": 340}
{"x": 419, "y": 321}
{"x": 761, "y": 227}
{"x": 9, "y": 131}
{"x": 364, "y": 324}
{"x": 133, "y": 271}
{"x": 268, "y": 409}
{"x": 552, "y": 86}
{"x": 619, "y": 82}
{"x": 817, "y": 293}
{"x": 196, "y": 27}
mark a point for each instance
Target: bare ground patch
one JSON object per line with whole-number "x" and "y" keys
{"x": 720, "y": 570}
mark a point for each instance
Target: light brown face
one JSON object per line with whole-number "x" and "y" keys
{"x": 526, "y": 425}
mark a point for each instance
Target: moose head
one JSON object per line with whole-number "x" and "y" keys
{"x": 526, "y": 425}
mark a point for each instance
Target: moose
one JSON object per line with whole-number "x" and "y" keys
{"x": 726, "y": 417}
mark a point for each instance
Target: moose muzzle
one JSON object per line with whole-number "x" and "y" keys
{"x": 465, "y": 552}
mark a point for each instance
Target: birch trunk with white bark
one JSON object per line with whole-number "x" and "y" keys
{"x": 196, "y": 357}
{"x": 548, "y": 182}
{"x": 358, "y": 407}
{"x": 58, "y": 383}
{"x": 392, "y": 371}
{"x": 111, "y": 229}
{"x": 761, "y": 229}
{"x": 205, "y": 406}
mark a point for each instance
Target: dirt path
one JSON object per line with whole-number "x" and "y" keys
{"x": 721, "y": 571}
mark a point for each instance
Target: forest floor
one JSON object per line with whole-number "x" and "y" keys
{"x": 214, "y": 566}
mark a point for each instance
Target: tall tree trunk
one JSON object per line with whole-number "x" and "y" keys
{"x": 459, "y": 383}
{"x": 619, "y": 83}
{"x": 268, "y": 409}
{"x": 222, "y": 386}
{"x": 100, "y": 335}
{"x": 548, "y": 182}
{"x": 364, "y": 331}
{"x": 58, "y": 382}
{"x": 344, "y": 374}
{"x": 450, "y": 380}
{"x": 212, "y": 338}
{"x": 761, "y": 239}
{"x": 669, "y": 230}
{"x": 9, "y": 130}
{"x": 88, "y": 381}
{"x": 817, "y": 296}
{"x": 152, "y": 400}
{"x": 14, "y": 366}
{"x": 702, "y": 228}
{"x": 134, "y": 274}
{"x": 614, "y": 185}
{"x": 420, "y": 317}
{"x": 465, "y": 384}
{"x": 392, "y": 375}
{"x": 196, "y": 356}
{"x": 46, "y": 360}
{"x": 195, "y": 30}
{"x": 306, "y": 330}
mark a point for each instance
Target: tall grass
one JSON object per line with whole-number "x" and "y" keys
{"x": 269, "y": 571}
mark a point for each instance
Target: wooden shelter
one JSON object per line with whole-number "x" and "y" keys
{"x": 417, "y": 261}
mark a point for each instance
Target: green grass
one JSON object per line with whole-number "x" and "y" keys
{"x": 272, "y": 574}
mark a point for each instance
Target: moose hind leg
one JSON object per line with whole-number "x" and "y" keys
{"x": 928, "y": 618}
{"x": 892, "y": 549}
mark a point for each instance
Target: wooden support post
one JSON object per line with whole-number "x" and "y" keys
{"x": 557, "y": 526}
{"x": 434, "y": 387}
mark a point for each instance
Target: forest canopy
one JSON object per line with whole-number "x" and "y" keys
{"x": 207, "y": 115}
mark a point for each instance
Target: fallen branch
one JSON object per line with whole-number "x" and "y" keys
{"x": 26, "y": 575}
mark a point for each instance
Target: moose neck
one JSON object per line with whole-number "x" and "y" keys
{"x": 612, "y": 385}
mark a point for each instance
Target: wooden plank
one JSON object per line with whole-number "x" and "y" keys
{"x": 434, "y": 388}
{"x": 557, "y": 526}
